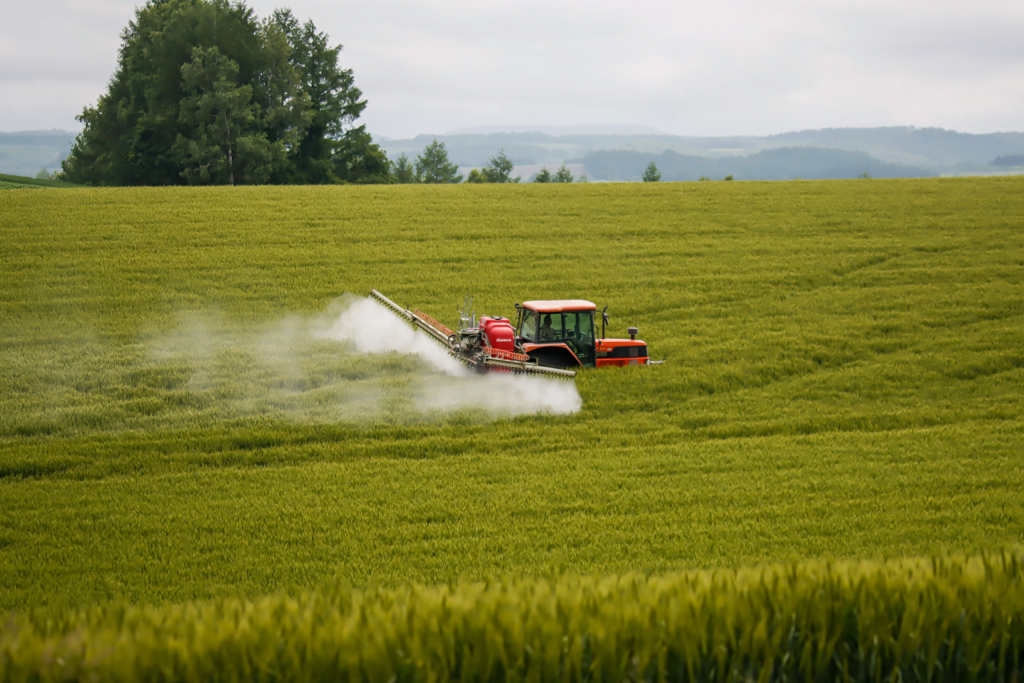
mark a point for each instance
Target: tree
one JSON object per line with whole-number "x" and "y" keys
{"x": 358, "y": 160}
{"x": 331, "y": 147}
{"x": 544, "y": 176}
{"x": 499, "y": 169}
{"x": 205, "y": 93}
{"x": 222, "y": 143}
{"x": 285, "y": 108}
{"x": 402, "y": 170}
{"x": 562, "y": 176}
{"x": 129, "y": 136}
{"x": 652, "y": 174}
{"x": 432, "y": 166}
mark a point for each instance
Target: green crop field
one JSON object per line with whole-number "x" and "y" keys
{"x": 192, "y": 411}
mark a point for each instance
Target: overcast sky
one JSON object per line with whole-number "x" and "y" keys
{"x": 713, "y": 67}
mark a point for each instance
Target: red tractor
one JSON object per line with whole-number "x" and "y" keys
{"x": 550, "y": 337}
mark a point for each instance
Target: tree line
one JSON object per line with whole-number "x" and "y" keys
{"x": 206, "y": 93}
{"x": 433, "y": 166}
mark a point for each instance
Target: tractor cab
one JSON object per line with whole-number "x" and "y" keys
{"x": 558, "y": 333}
{"x": 561, "y": 333}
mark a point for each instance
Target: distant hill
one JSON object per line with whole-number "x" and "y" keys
{"x": 27, "y": 153}
{"x": 784, "y": 163}
{"x": 935, "y": 147}
{"x": 829, "y": 153}
{"x": 585, "y": 129}
{"x": 840, "y": 152}
{"x": 1011, "y": 160}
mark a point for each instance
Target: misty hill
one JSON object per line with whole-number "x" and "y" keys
{"x": 830, "y": 153}
{"x": 583, "y": 129}
{"x": 784, "y": 163}
{"x": 934, "y": 147}
{"x": 880, "y": 152}
{"x": 27, "y": 153}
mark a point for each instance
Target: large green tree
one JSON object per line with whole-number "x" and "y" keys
{"x": 357, "y": 159}
{"x": 206, "y": 93}
{"x": 331, "y": 148}
{"x": 223, "y": 143}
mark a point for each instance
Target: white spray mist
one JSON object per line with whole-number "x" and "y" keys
{"x": 372, "y": 328}
{"x": 334, "y": 367}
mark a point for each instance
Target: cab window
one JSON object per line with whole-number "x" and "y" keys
{"x": 550, "y": 327}
{"x": 529, "y": 328}
{"x": 579, "y": 325}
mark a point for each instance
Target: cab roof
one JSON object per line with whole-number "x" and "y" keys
{"x": 559, "y": 305}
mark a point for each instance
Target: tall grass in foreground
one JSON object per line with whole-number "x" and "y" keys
{"x": 950, "y": 618}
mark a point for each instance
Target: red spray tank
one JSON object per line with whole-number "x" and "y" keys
{"x": 498, "y": 334}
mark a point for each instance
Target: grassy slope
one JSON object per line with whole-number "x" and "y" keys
{"x": 844, "y": 378}
{"x": 10, "y": 182}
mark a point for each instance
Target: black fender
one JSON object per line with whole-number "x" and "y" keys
{"x": 555, "y": 356}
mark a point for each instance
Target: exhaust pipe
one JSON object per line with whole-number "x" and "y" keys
{"x": 633, "y": 332}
